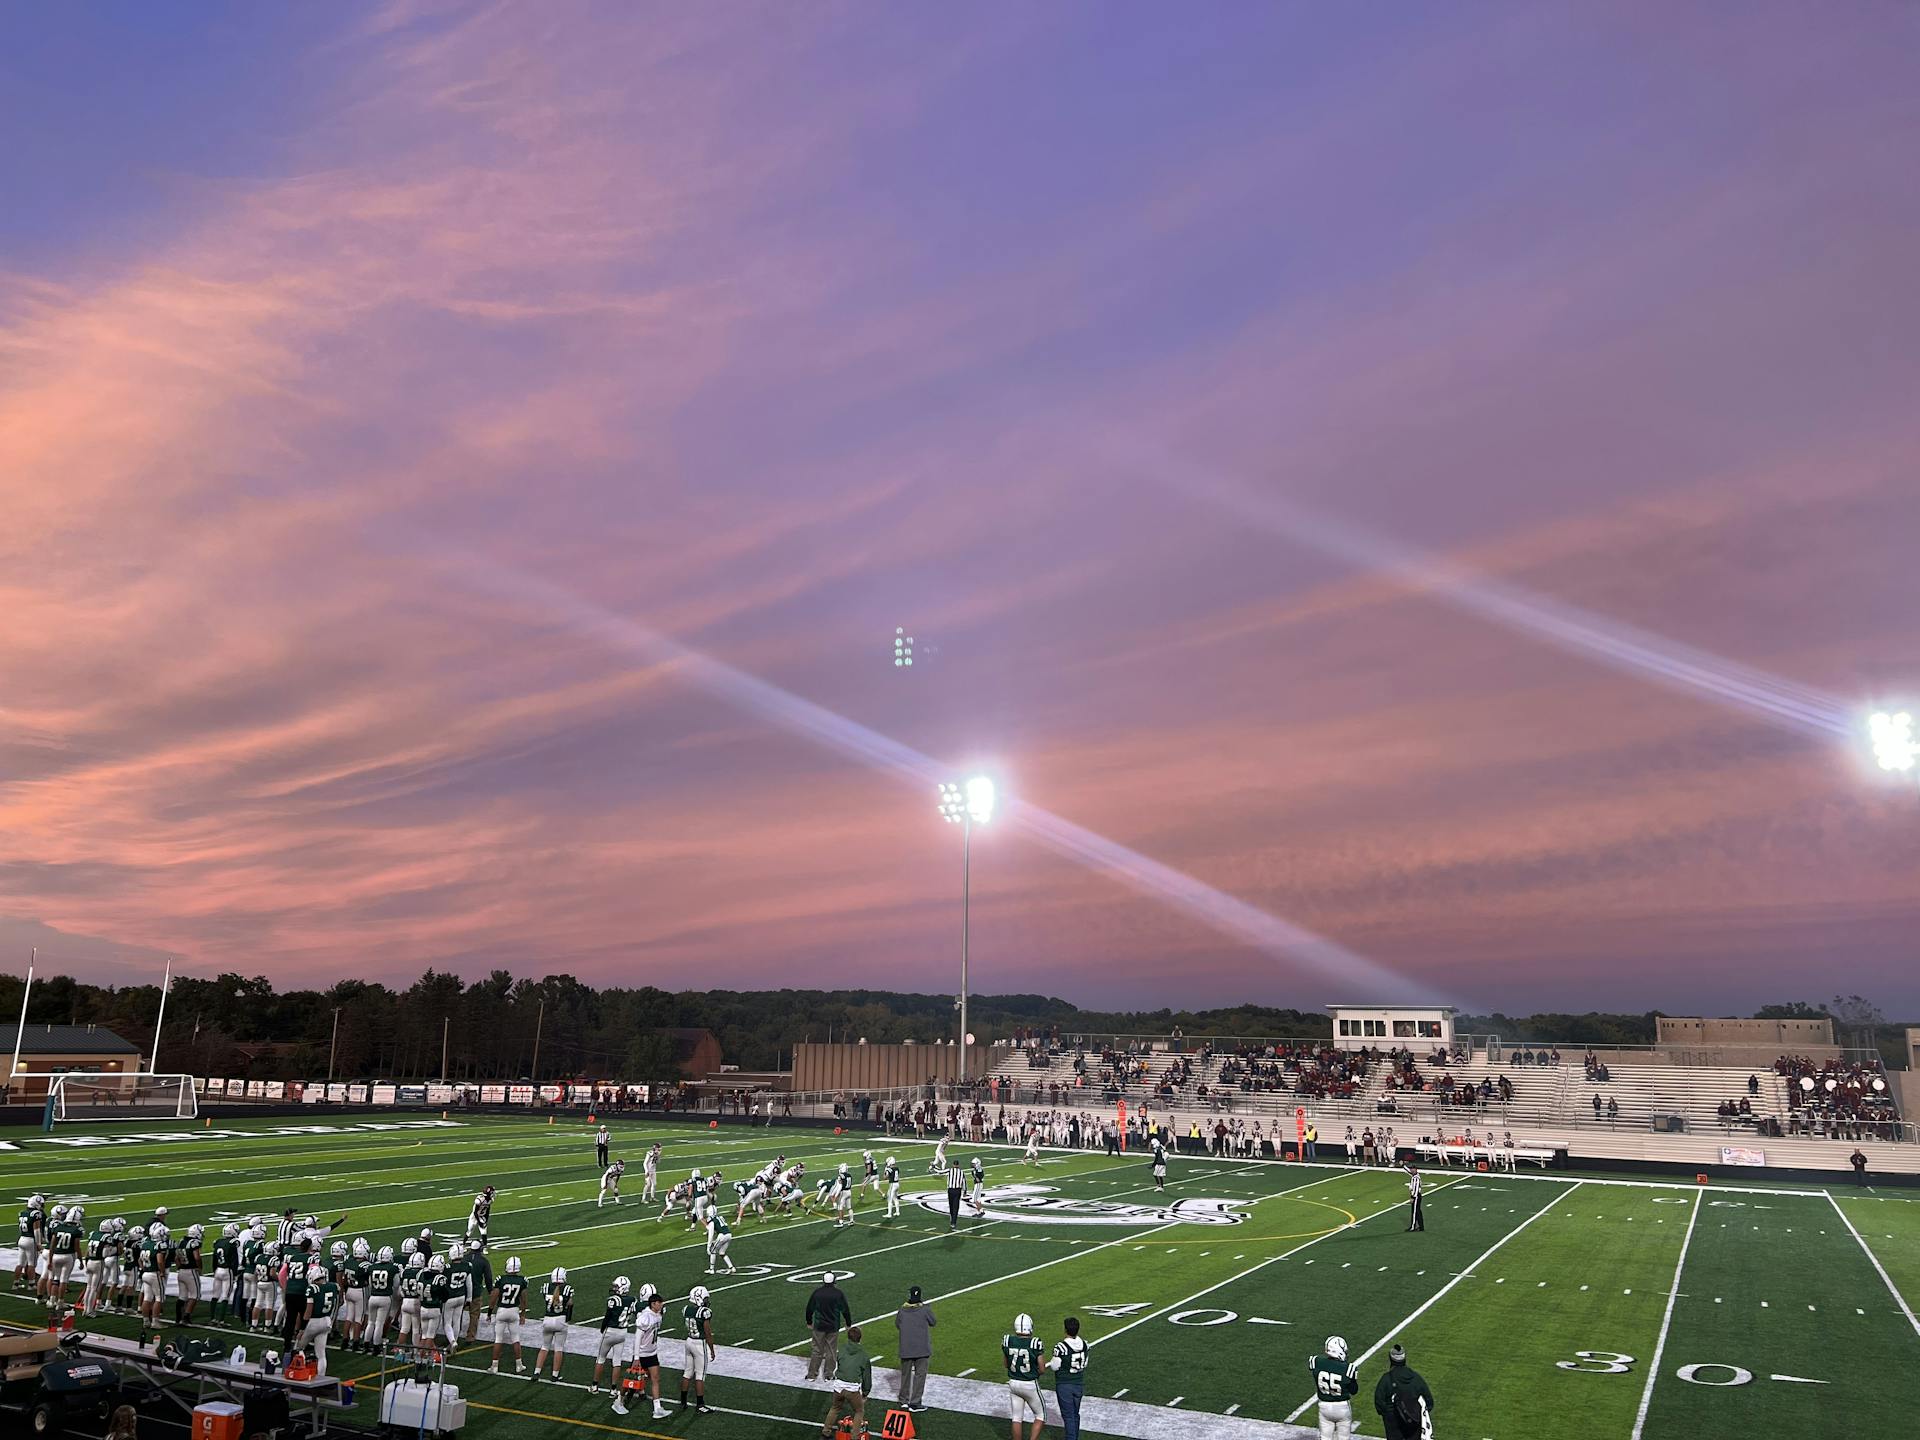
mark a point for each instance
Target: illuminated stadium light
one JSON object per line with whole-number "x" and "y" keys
{"x": 966, "y": 804}
{"x": 902, "y": 647}
{"x": 1894, "y": 746}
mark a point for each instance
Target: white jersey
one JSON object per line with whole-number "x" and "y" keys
{"x": 646, "y": 1334}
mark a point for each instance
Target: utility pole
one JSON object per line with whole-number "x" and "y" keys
{"x": 538, "y": 1025}
{"x": 446, "y": 1029}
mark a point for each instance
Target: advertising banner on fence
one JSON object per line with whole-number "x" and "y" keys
{"x": 385, "y": 1094}
{"x": 276, "y": 1089}
{"x": 313, "y": 1092}
{"x": 550, "y": 1092}
{"x": 336, "y": 1092}
{"x": 356, "y": 1094}
{"x": 410, "y": 1094}
{"x": 493, "y": 1094}
{"x": 520, "y": 1094}
{"x": 440, "y": 1094}
{"x": 1741, "y": 1155}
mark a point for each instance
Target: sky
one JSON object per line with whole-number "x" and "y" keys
{"x": 463, "y": 469}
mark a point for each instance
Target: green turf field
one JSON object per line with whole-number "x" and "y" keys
{"x": 1536, "y": 1307}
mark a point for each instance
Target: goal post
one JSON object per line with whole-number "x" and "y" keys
{"x": 96, "y": 1095}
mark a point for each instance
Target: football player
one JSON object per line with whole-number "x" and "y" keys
{"x": 1022, "y": 1351}
{"x": 939, "y": 1162}
{"x": 650, "y": 1169}
{"x": 33, "y": 1229}
{"x": 154, "y": 1257}
{"x": 413, "y": 1290}
{"x": 978, "y": 1198}
{"x": 610, "y": 1183}
{"x": 553, "y": 1325}
{"x": 699, "y": 1351}
{"x": 893, "y": 1188}
{"x": 460, "y": 1291}
{"x": 226, "y": 1265}
{"x": 94, "y": 1267}
{"x": 323, "y": 1301}
{"x": 719, "y": 1237}
{"x": 620, "y": 1314}
{"x": 353, "y": 1284}
{"x": 383, "y": 1283}
{"x": 433, "y": 1302}
{"x": 480, "y": 1218}
{"x": 841, "y": 1196}
{"x": 1335, "y": 1383}
{"x": 645, "y": 1331}
{"x": 870, "y": 1171}
{"x": 186, "y": 1274}
{"x": 1159, "y": 1162}
{"x": 509, "y": 1300}
{"x": 64, "y": 1237}
{"x": 1032, "y": 1157}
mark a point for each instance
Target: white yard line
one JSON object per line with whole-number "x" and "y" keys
{"x": 1437, "y": 1295}
{"x": 1666, "y": 1323}
{"x": 1270, "y": 1260}
{"x": 1874, "y": 1260}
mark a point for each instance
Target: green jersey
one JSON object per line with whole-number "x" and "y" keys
{"x": 149, "y": 1261}
{"x": 718, "y": 1224}
{"x": 1334, "y": 1380}
{"x": 186, "y": 1256}
{"x": 697, "y": 1318}
{"x": 1070, "y": 1361}
{"x": 381, "y": 1276}
{"x": 512, "y": 1290}
{"x": 1022, "y": 1354}
{"x": 326, "y": 1300}
{"x": 439, "y": 1287}
{"x": 622, "y": 1313}
{"x": 559, "y": 1301}
{"x": 30, "y": 1223}
{"x": 413, "y": 1283}
{"x": 64, "y": 1239}
{"x": 296, "y": 1289}
{"x": 226, "y": 1254}
{"x": 96, "y": 1247}
{"x": 358, "y": 1273}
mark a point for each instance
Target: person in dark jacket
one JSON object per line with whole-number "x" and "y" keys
{"x": 1403, "y": 1400}
{"x": 827, "y": 1311}
{"x": 915, "y": 1322}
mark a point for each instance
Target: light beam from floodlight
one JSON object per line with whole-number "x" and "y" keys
{"x": 1894, "y": 747}
{"x": 966, "y": 805}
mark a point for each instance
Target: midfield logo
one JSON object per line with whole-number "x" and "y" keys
{"x": 1045, "y": 1205}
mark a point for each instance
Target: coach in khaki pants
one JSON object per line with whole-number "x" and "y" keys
{"x": 827, "y": 1311}
{"x": 915, "y": 1323}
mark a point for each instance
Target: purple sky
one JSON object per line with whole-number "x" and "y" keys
{"x": 380, "y": 384}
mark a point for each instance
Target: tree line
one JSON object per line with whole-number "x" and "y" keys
{"x": 503, "y": 1028}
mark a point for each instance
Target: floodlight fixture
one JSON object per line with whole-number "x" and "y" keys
{"x": 1894, "y": 746}
{"x": 966, "y": 803}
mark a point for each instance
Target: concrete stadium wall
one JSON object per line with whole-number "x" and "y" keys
{"x": 881, "y": 1067}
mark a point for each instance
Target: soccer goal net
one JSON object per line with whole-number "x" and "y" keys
{"x": 100, "y": 1095}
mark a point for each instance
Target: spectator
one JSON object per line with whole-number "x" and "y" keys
{"x": 1753, "y": 1084}
{"x": 915, "y": 1323}
{"x": 1613, "y": 1108}
{"x": 1403, "y": 1400}
{"x": 1859, "y": 1162}
{"x": 852, "y": 1380}
{"x": 827, "y": 1311}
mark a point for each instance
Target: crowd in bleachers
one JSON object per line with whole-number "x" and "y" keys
{"x": 1317, "y": 1072}
{"x": 1837, "y": 1099}
{"x": 1527, "y": 1055}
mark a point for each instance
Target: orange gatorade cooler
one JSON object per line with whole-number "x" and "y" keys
{"x": 216, "y": 1420}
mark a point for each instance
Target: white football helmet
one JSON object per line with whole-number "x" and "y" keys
{"x": 1023, "y": 1324}
{"x": 315, "y": 1275}
{"x": 311, "y": 1222}
{"x": 230, "y": 1231}
{"x": 437, "y": 1264}
{"x": 889, "y": 1159}
{"x": 194, "y": 1232}
{"x": 647, "y": 1292}
{"x": 254, "y": 1222}
{"x": 456, "y": 1250}
{"x": 361, "y": 1250}
{"x": 338, "y": 1250}
{"x": 157, "y": 1232}
{"x": 36, "y": 1202}
{"x": 59, "y": 1213}
{"x": 409, "y": 1246}
{"x": 426, "y": 1234}
{"x": 1336, "y": 1347}
{"x": 386, "y": 1255}
{"x": 513, "y": 1265}
{"x": 558, "y": 1275}
{"x": 160, "y": 1212}
{"x": 696, "y": 1174}
{"x": 621, "y": 1284}
{"x": 698, "y": 1295}
{"x": 416, "y": 1261}
{"x": 77, "y": 1213}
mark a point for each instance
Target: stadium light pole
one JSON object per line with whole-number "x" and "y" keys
{"x": 21, "y": 1034}
{"x": 966, "y": 805}
{"x": 1895, "y": 749}
{"x": 333, "y": 1045}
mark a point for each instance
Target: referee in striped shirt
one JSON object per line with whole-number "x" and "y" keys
{"x": 289, "y": 1227}
{"x": 956, "y": 1187}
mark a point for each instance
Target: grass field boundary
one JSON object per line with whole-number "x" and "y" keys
{"x": 1666, "y": 1325}
{"x": 1441, "y": 1293}
{"x": 1874, "y": 1260}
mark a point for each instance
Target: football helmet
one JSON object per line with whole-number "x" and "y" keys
{"x": 361, "y": 1250}
{"x": 338, "y": 1250}
{"x": 889, "y": 1159}
{"x": 487, "y": 1191}
{"x": 157, "y": 1232}
{"x": 386, "y": 1255}
{"x": 315, "y": 1275}
{"x": 1336, "y": 1347}
{"x": 1023, "y": 1324}
{"x": 77, "y": 1213}
{"x": 843, "y": 1167}
{"x": 456, "y": 1250}
{"x": 437, "y": 1264}
{"x": 696, "y": 1174}
{"x": 255, "y": 1222}
{"x": 160, "y": 1212}
{"x": 426, "y": 1234}
{"x": 513, "y": 1265}
{"x": 230, "y": 1231}
{"x": 621, "y": 1284}
{"x": 698, "y": 1295}
{"x": 194, "y": 1232}
{"x": 558, "y": 1275}
{"x": 36, "y": 1202}
{"x": 409, "y": 1246}
{"x": 416, "y": 1261}
{"x": 647, "y": 1293}
{"x": 311, "y": 1222}
{"x": 59, "y": 1213}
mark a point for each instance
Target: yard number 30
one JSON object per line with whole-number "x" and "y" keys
{"x": 1597, "y": 1362}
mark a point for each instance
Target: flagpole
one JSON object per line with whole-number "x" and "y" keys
{"x": 166, "y": 984}
{"x": 20, "y": 1035}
